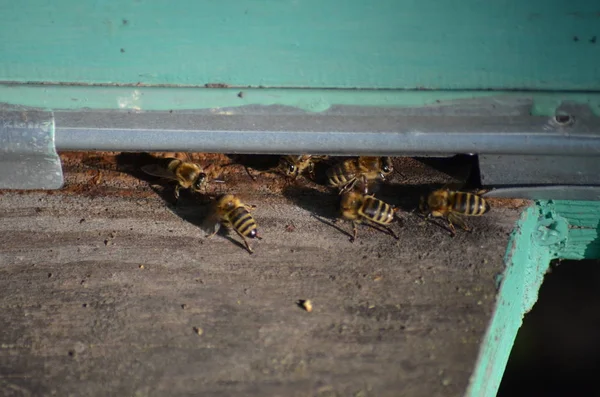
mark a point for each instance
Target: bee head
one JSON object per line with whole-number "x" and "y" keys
{"x": 227, "y": 202}
{"x": 199, "y": 182}
{"x": 291, "y": 169}
{"x": 386, "y": 166}
{"x": 288, "y": 168}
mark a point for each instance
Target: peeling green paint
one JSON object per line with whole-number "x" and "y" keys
{"x": 71, "y": 97}
{"x": 548, "y": 230}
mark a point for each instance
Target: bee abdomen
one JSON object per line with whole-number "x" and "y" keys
{"x": 243, "y": 222}
{"x": 335, "y": 176}
{"x": 469, "y": 204}
{"x": 377, "y": 211}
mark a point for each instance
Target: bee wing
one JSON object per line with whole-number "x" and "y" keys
{"x": 458, "y": 220}
{"x": 211, "y": 223}
{"x": 157, "y": 170}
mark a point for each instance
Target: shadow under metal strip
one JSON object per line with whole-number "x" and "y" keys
{"x": 28, "y": 158}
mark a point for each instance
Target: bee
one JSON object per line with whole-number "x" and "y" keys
{"x": 360, "y": 207}
{"x": 347, "y": 173}
{"x": 293, "y": 166}
{"x": 187, "y": 174}
{"x": 230, "y": 212}
{"x": 451, "y": 206}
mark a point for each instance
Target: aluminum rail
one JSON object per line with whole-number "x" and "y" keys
{"x": 334, "y": 133}
{"x": 514, "y": 148}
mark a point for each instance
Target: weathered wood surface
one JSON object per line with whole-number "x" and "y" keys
{"x": 80, "y": 316}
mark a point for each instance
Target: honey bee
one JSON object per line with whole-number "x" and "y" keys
{"x": 230, "y": 212}
{"x": 187, "y": 174}
{"x": 346, "y": 174}
{"x": 451, "y": 206}
{"x": 293, "y": 166}
{"x": 360, "y": 207}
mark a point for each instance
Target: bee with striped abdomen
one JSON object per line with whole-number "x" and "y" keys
{"x": 360, "y": 207}
{"x": 187, "y": 174}
{"x": 230, "y": 212}
{"x": 346, "y": 174}
{"x": 452, "y": 206}
{"x": 293, "y": 166}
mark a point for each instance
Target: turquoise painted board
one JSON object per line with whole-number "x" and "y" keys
{"x": 549, "y": 230}
{"x": 401, "y": 44}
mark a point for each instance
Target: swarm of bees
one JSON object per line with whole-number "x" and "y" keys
{"x": 351, "y": 177}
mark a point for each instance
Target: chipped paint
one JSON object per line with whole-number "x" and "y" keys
{"x": 72, "y": 97}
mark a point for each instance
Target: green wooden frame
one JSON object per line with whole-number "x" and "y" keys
{"x": 546, "y": 231}
{"x": 390, "y": 44}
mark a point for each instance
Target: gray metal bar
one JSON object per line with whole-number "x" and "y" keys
{"x": 521, "y": 170}
{"x": 339, "y": 131}
{"x": 561, "y": 192}
{"x": 28, "y": 159}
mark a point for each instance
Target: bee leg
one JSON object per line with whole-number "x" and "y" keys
{"x": 249, "y": 174}
{"x": 459, "y": 221}
{"x": 452, "y": 229}
{"x": 426, "y": 218}
{"x": 311, "y": 170}
{"x": 391, "y": 232}
{"x": 177, "y": 192}
{"x": 245, "y": 242}
{"x": 365, "y": 185}
{"x": 354, "y": 232}
{"x": 349, "y": 186}
{"x": 383, "y": 229}
{"x": 217, "y": 228}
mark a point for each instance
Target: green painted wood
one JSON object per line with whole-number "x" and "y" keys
{"x": 400, "y": 44}
{"x": 526, "y": 264}
{"x": 71, "y": 97}
{"x": 548, "y": 230}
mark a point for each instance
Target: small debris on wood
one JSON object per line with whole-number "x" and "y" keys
{"x": 198, "y": 330}
{"x": 306, "y": 304}
{"x": 378, "y": 278}
{"x": 141, "y": 266}
{"x": 184, "y": 306}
